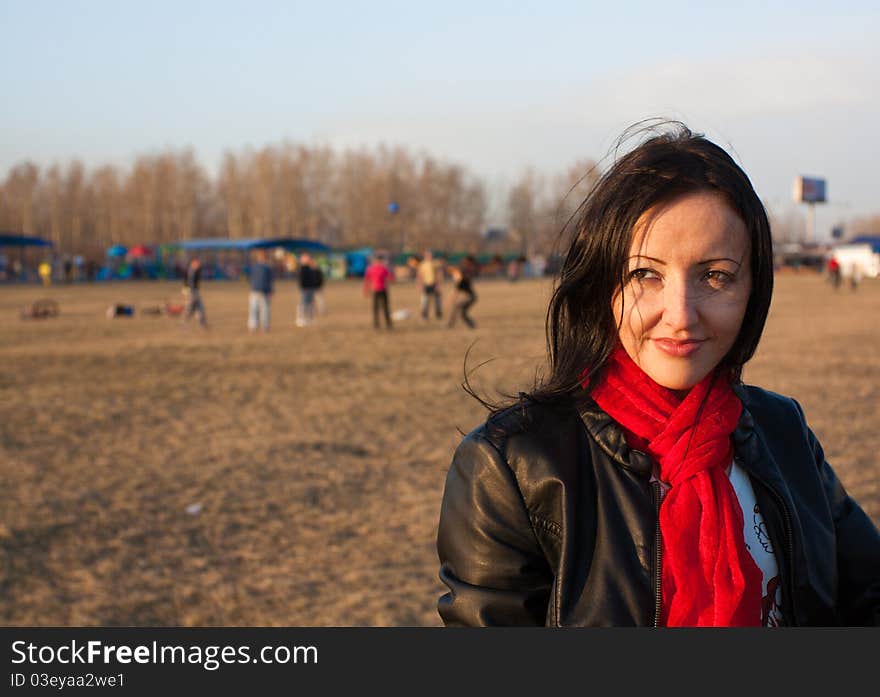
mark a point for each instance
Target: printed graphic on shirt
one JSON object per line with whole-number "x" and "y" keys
{"x": 761, "y": 530}
{"x": 771, "y": 612}
{"x": 760, "y": 547}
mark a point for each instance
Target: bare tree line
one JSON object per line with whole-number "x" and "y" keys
{"x": 539, "y": 207}
{"x": 869, "y": 225}
{"x": 288, "y": 190}
{"x": 284, "y": 191}
{"x": 340, "y": 198}
{"x": 789, "y": 226}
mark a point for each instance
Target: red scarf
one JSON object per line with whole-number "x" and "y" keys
{"x": 709, "y": 579}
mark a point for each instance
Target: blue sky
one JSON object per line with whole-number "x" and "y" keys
{"x": 496, "y": 86}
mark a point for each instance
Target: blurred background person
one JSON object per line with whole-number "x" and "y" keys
{"x": 260, "y": 296}
{"x": 464, "y": 296}
{"x": 192, "y": 297}
{"x": 320, "y": 301}
{"x": 834, "y": 272}
{"x": 45, "y": 272}
{"x": 311, "y": 279}
{"x": 429, "y": 275}
{"x": 515, "y": 268}
{"x": 855, "y": 276}
{"x": 376, "y": 280}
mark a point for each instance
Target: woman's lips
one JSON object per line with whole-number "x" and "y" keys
{"x": 679, "y": 349}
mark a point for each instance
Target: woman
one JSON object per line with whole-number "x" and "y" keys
{"x": 464, "y": 297}
{"x": 643, "y": 483}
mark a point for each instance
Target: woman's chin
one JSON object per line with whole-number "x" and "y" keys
{"x": 679, "y": 378}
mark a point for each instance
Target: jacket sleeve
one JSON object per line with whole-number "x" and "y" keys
{"x": 858, "y": 547}
{"x": 490, "y": 558}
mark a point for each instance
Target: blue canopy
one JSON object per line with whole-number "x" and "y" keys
{"x": 873, "y": 240}
{"x": 117, "y": 250}
{"x": 356, "y": 260}
{"x": 23, "y": 241}
{"x": 218, "y": 243}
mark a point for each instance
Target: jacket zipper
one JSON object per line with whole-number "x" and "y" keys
{"x": 789, "y": 540}
{"x": 658, "y": 551}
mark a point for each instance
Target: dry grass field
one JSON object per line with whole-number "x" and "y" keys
{"x": 159, "y": 475}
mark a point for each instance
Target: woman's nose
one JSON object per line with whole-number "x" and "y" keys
{"x": 679, "y": 305}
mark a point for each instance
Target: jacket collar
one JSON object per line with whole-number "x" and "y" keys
{"x": 746, "y": 441}
{"x": 745, "y": 428}
{"x": 751, "y": 451}
{"x": 610, "y": 437}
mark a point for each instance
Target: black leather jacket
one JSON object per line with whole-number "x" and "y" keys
{"x": 549, "y": 518}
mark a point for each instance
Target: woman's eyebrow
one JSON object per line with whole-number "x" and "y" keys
{"x": 704, "y": 261}
{"x": 710, "y": 261}
{"x": 644, "y": 256}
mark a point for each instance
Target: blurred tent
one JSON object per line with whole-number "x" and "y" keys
{"x": 873, "y": 240}
{"x": 140, "y": 251}
{"x": 356, "y": 261}
{"x": 23, "y": 241}
{"x": 225, "y": 243}
{"x": 219, "y": 249}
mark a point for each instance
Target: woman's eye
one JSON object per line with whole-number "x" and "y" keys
{"x": 643, "y": 275}
{"x": 718, "y": 279}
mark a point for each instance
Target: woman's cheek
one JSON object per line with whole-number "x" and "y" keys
{"x": 644, "y": 313}
{"x": 727, "y": 313}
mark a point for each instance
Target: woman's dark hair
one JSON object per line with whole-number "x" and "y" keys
{"x": 581, "y": 328}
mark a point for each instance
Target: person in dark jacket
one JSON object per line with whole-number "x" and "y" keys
{"x": 465, "y": 297}
{"x": 192, "y": 296}
{"x": 260, "y": 296}
{"x": 643, "y": 483}
{"x": 311, "y": 280}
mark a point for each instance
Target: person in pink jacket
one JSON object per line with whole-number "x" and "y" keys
{"x": 376, "y": 280}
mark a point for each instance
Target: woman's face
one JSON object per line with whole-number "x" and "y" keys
{"x": 688, "y": 284}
